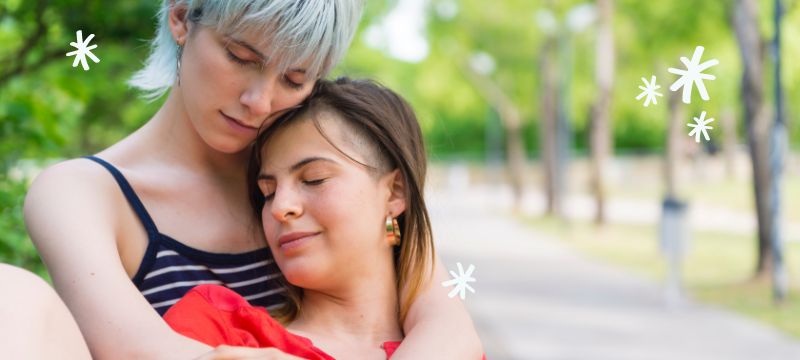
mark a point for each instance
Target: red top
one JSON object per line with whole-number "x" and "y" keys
{"x": 216, "y": 315}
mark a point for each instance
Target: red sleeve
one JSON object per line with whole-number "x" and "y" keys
{"x": 196, "y": 317}
{"x": 216, "y": 315}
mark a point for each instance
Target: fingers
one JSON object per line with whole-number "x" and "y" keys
{"x": 225, "y": 352}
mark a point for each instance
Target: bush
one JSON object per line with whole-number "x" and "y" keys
{"x": 16, "y": 247}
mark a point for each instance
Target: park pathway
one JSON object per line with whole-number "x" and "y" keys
{"x": 538, "y": 299}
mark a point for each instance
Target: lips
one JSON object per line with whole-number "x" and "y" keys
{"x": 237, "y": 122}
{"x": 290, "y": 239}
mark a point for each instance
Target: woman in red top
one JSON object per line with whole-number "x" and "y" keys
{"x": 335, "y": 184}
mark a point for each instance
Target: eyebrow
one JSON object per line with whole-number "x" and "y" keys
{"x": 261, "y": 56}
{"x": 297, "y": 166}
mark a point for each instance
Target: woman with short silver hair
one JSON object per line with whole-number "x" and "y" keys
{"x": 127, "y": 232}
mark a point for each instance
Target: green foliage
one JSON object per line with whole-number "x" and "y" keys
{"x": 15, "y": 247}
{"x": 650, "y": 37}
{"x": 50, "y": 110}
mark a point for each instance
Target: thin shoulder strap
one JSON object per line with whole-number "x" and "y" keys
{"x": 133, "y": 199}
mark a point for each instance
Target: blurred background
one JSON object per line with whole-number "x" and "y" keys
{"x": 598, "y": 228}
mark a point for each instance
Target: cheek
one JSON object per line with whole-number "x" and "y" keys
{"x": 268, "y": 223}
{"x": 212, "y": 76}
{"x": 332, "y": 211}
{"x": 329, "y": 209}
{"x": 287, "y": 97}
{"x": 350, "y": 215}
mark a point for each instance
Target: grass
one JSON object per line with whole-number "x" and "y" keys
{"x": 717, "y": 269}
{"x": 733, "y": 194}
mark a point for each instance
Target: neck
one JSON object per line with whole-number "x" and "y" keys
{"x": 363, "y": 312}
{"x": 179, "y": 144}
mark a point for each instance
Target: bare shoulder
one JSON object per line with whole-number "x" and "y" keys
{"x": 72, "y": 187}
{"x": 73, "y": 173}
{"x": 74, "y": 203}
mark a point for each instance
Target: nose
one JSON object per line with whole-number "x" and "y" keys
{"x": 258, "y": 97}
{"x": 286, "y": 205}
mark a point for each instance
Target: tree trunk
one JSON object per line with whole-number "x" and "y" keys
{"x": 547, "y": 130}
{"x": 729, "y": 142}
{"x": 600, "y": 130}
{"x": 751, "y": 47}
{"x": 512, "y": 123}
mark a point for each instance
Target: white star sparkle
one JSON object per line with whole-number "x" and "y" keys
{"x": 700, "y": 127}
{"x": 460, "y": 281}
{"x": 83, "y": 50}
{"x": 693, "y": 75}
{"x": 649, "y": 90}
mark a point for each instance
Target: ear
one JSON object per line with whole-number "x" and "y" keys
{"x": 396, "y": 203}
{"x": 178, "y": 22}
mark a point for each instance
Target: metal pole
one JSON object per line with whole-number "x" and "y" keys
{"x": 778, "y": 145}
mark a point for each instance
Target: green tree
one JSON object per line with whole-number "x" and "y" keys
{"x": 49, "y": 110}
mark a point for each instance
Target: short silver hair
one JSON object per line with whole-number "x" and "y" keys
{"x": 295, "y": 31}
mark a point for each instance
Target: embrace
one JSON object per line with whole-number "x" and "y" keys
{"x": 262, "y": 212}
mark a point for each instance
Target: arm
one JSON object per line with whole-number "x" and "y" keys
{"x": 72, "y": 212}
{"x": 438, "y": 327}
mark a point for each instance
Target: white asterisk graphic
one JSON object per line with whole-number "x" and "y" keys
{"x": 83, "y": 51}
{"x": 693, "y": 75}
{"x": 700, "y": 127}
{"x": 460, "y": 281}
{"x": 649, "y": 90}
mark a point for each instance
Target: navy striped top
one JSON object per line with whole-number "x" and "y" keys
{"x": 170, "y": 269}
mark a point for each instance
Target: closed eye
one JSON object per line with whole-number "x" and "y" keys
{"x": 292, "y": 84}
{"x": 314, "y": 182}
{"x": 267, "y": 188}
{"x": 270, "y": 196}
{"x": 237, "y": 59}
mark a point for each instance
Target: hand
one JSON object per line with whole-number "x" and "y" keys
{"x": 224, "y": 352}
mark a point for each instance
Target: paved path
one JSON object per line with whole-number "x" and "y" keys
{"x": 537, "y": 299}
{"x": 629, "y": 211}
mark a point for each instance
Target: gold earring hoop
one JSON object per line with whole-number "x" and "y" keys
{"x": 392, "y": 230}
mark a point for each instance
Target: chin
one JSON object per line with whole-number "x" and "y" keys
{"x": 302, "y": 275}
{"x": 227, "y": 145}
{"x": 218, "y": 140}
{"x": 232, "y": 149}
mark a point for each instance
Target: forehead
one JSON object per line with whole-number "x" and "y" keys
{"x": 272, "y": 54}
{"x": 285, "y": 42}
{"x": 302, "y": 139}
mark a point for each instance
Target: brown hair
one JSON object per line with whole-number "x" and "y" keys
{"x": 386, "y": 122}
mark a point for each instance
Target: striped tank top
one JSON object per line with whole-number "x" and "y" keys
{"x": 170, "y": 269}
